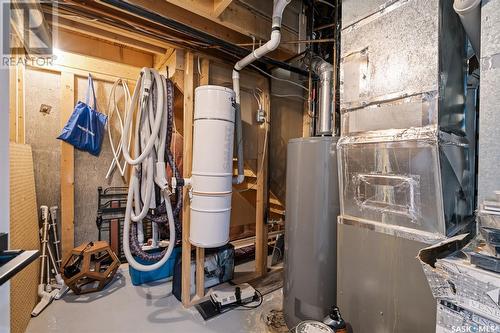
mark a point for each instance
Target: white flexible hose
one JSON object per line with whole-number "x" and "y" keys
{"x": 112, "y": 109}
{"x": 150, "y": 139}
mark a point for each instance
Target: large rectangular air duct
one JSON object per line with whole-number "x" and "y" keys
{"x": 404, "y": 165}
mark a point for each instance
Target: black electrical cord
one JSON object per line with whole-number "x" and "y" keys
{"x": 245, "y": 306}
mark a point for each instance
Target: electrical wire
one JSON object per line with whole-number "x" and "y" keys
{"x": 245, "y": 306}
{"x": 279, "y": 79}
{"x": 326, "y": 3}
{"x": 289, "y": 96}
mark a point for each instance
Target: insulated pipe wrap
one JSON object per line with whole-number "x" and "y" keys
{"x": 211, "y": 181}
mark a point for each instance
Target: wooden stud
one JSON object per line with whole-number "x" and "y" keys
{"x": 261, "y": 206}
{"x": 237, "y": 18}
{"x": 205, "y": 72}
{"x": 200, "y": 252}
{"x": 187, "y": 165}
{"x": 81, "y": 65}
{"x": 83, "y": 27}
{"x": 188, "y": 12}
{"x": 200, "y": 272}
{"x": 12, "y": 104}
{"x": 21, "y": 133}
{"x": 220, "y": 6}
{"x": 67, "y": 167}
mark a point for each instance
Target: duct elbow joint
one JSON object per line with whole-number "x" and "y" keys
{"x": 274, "y": 42}
{"x": 279, "y": 7}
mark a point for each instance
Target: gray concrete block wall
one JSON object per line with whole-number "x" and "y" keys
{"x": 489, "y": 112}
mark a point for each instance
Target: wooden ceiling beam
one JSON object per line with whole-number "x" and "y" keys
{"x": 235, "y": 17}
{"x": 116, "y": 36}
{"x": 184, "y": 16}
{"x": 220, "y": 6}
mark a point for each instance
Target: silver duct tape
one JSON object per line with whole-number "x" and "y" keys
{"x": 403, "y": 199}
{"x": 394, "y": 111}
{"x": 393, "y": 230}
{"x": 427, "y": 134}
{"x": 416, "y": 178}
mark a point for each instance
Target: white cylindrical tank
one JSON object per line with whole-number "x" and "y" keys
{"x": 211, "y": 180}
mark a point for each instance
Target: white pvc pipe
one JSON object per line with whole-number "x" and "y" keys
{"x": 469, "y": 12}
{"x": 271, "y": 45}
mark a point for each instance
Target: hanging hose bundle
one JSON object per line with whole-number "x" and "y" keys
{"x": 113, "y": 109}
{"x": 148, "y": 189}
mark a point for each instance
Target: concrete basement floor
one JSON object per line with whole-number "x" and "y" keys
{"x": 121, "y": 307}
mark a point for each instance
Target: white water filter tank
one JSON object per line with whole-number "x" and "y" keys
{"x": 211, "y": 181}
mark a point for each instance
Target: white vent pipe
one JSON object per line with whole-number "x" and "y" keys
{"x": 211, "y": 180}
{"x": 272, "y": 44}
{"x": 217, "y": 111}
{"x": 469, "y": 12}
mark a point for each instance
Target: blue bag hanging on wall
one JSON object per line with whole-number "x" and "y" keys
{"x": 85, "y": 128}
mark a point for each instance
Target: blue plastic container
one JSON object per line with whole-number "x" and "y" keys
{"x": 163, "y": 272}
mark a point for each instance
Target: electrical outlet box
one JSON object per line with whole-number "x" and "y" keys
{"x": 261, "y": 116}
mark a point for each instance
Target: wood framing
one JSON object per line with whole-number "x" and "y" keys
{"x": 200, "y": 252}
{"x": 12, "y": 105}
{"x": 96, "y": 30}
{"x": 235, "y": 23}
{"x": 16, "y": 104}
{"x": 187, "y": 160}
{"x": 80, "y": 65}
{"x": 220, "y": 6}
{"x": 67, "y": 167}
{"x": 261, "y": 201}
{"x": 238, "y": 18}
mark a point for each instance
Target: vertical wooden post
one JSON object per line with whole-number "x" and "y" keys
{"x": 21, "y": 133}
{"x": 12, "y": 104}
{"x": 67, "y": 167}
{"x": 187, "y": 160}
{"x": 200, "y": 252}
{"x": 261, "y": 203}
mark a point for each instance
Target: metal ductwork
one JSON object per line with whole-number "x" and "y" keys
{"x": 325, "y": 105}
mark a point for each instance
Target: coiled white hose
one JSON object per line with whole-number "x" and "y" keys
{"x": 150, "y": 131}
{"x": 113, "y": 109}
